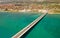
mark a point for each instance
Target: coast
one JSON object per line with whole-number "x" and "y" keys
{"x": 52, "y": 8}
{"x": 52, "y": 11}
{"x": 24, "y": 10}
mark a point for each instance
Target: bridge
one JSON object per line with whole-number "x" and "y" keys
{"x": 27, "y": 28}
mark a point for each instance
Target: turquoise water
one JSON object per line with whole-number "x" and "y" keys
{"x": 11, "y": 23}
{"x": 48, "y": 27}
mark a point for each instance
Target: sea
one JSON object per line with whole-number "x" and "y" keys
{"x": 48, "y": 27}
{"x": 12, "y": 22}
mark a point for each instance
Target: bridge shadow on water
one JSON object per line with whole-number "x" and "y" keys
{"x": 24, "y": 36}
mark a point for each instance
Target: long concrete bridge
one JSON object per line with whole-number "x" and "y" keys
{"x": 24, "y": 30}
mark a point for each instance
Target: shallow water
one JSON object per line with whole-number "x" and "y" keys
{"x": 48, "y": 27}
{"x": 11, "y": 23}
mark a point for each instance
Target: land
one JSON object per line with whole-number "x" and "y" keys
{"x": 52, "y": 7}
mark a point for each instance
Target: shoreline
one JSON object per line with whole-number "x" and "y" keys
{"x": 28, "y": 11}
